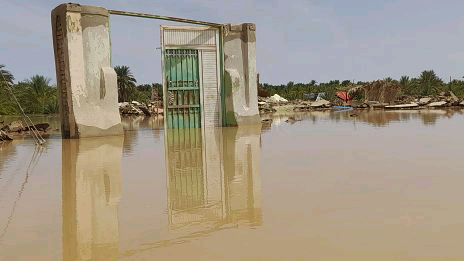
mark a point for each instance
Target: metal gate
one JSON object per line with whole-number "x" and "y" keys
{"x": 191, "y": 69}
{"x": 183, "y": 88}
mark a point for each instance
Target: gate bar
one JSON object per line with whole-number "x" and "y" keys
{"x": 167, "y": 18}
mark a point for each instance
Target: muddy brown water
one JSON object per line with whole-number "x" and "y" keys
{"x": 324, "y": 186}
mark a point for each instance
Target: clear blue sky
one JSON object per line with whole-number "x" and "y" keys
{"x": 297, "y": 40}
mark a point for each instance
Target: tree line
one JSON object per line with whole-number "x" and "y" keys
{"x": 128, "y": 90}
{"x": 38, "y": 96}
{"x": 426, "y": 84}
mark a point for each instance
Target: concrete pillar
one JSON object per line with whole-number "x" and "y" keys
{"x": 87, "y": 85}
{"x": 241, "y": 91}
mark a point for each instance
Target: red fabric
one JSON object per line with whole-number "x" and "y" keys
{"x": 344, "y": 96}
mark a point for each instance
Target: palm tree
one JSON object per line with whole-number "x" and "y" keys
{"x": 126, "y": 83}
{"x": 405, "y": 84}
{"x": 6, "y": 104}
{"x": 390, "y": 80}
{"x": 404, "y": 80}
{"x": 40, "y": 91}
{"x": 5, "y": 75}
{"x": 429, "y": 83}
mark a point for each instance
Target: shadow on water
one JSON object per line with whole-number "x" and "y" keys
{"x": 213, "y": 183}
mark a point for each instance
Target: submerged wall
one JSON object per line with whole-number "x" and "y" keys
{"x": 87, "y": 85}
{"x": 240, "y": 89}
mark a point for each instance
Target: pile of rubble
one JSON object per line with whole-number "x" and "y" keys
{"x": 16, "y": 127}
{"x": 137, "y": 108}
{"x": 264, "y": 106}
{"x": 315, "y": 105}
{"x": 277, "y": 99}
{"x": 269, "y": 105}
{"x": 4, "y": 136}
{"x": 445, "y": 99}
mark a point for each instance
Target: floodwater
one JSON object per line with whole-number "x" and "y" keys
{"x": 320, "y": 186}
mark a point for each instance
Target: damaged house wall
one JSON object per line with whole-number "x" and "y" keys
{"x": 87, "y": 84}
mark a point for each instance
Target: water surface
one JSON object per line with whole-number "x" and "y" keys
{"x": 318, "y": 186}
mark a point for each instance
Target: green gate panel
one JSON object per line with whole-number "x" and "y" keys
{"x": 183, "y": 108}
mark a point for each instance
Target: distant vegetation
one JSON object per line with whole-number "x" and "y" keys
{"x": 128, "y": 90}
{"x": 427, "y": 84}
{"x": 38, "y": 96}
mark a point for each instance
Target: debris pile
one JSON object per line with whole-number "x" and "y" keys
{"x": 4, "y": 136}
{"x": 309, "y": 106}
{"x": 155, "y": 108}
{"x": 277, "y": 99}
{"x": 382, "y": 91}
{"x": 264, "y": 106}
{"x": 127, "y": 108}
{"x": 137, "y": 108}
{"x": 8, "y": 131}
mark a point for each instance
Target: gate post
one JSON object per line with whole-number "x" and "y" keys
{"x": 240, "y": 88}
{"x": 87, "y": 85}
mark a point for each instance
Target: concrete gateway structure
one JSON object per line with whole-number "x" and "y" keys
{"x": 209, "y": 72}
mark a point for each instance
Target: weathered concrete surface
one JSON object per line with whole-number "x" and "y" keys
{"x": 240, "y": 90}
{"x": 87, "y": 84}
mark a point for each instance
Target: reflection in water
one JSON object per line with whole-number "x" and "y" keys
{"x": 332, "y": 193}
{"x": 378, "y": 118}
{"x": 133, "y": 124}
{"x": 30, "y": 167}
{"x": 7, "y": 152}
{"x": 91, "y": 189}
{"x": 384, "y": 118}
{"x": 213, "y": 183}
{"x": 142, "y": 122}
{"x": 213, "y": 178}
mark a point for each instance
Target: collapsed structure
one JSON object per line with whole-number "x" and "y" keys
{"x": 209, "y": 72}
